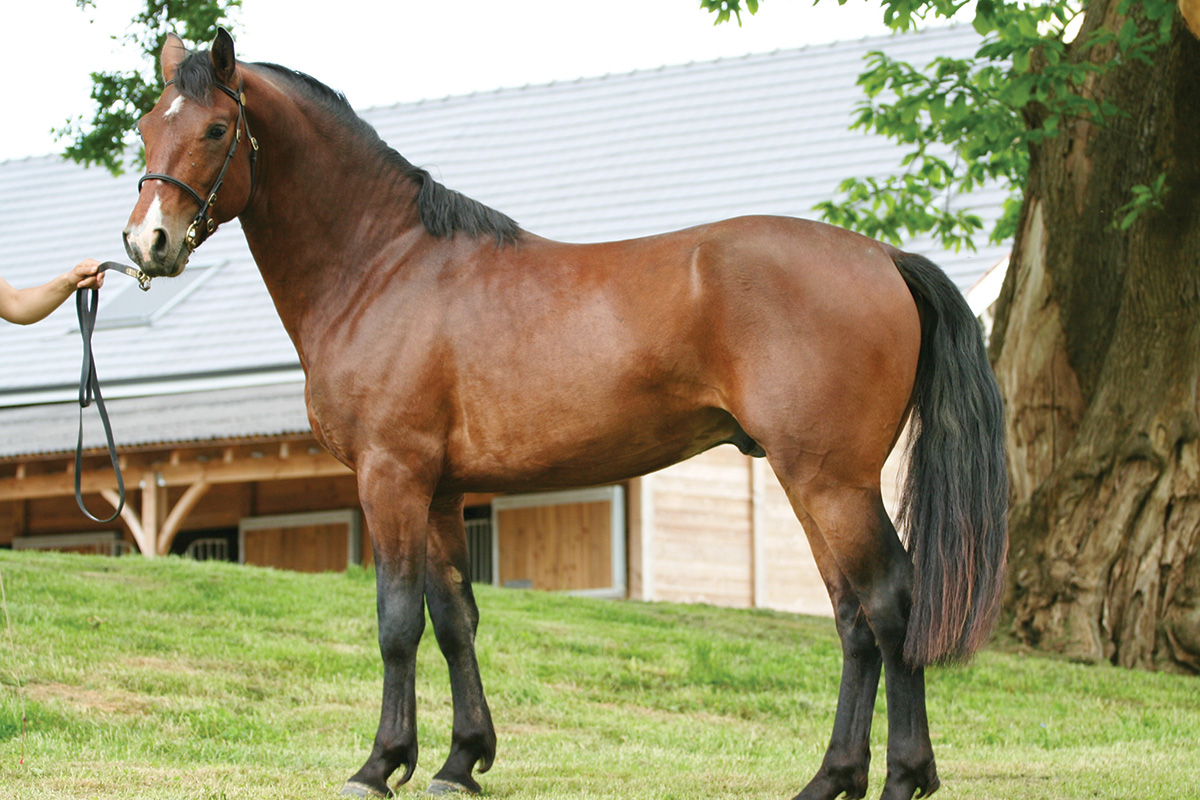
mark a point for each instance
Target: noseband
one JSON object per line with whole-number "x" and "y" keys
{"x": 203, "y": 224}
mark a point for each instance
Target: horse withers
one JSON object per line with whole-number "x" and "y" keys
{"x": 446, "y": 351}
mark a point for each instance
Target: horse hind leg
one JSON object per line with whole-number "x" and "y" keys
{"x": 844, "y": 769}
{"x": 863, "y": 543}
{"x": 455, "y": 619}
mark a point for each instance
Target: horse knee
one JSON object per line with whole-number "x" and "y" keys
{"x": 401, "y": 623}
{"x": 886, "y": 599}
{"x": 889, "y": 620}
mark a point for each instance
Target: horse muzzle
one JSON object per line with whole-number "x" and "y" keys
{"x": 156, "y": 250}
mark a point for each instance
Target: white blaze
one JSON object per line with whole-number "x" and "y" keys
{"x": 141, "y": 235}
{"x": 176, "y": 104}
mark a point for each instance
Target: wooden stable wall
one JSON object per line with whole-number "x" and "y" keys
{"x": 719, "y": 529}
{"x": 555, "y": 547}
{"x": 320, "y": 541}
{"x": 562, "y": 541}
{"x": 701, "y": 530}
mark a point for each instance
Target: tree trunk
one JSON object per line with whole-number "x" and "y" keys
{"x": 1097, "y": 349}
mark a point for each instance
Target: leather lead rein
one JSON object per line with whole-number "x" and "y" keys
{"x": 86, "y": 302}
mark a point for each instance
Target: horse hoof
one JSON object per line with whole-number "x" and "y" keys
{"x": 356, "y": 789}
{"x": 446, "y": 787}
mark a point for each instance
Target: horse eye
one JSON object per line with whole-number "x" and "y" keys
{"x": 216, "y": 132}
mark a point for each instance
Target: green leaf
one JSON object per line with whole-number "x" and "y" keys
{"x": 1127, "y": 35}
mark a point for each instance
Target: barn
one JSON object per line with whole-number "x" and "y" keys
{"x": 205, "y": 391}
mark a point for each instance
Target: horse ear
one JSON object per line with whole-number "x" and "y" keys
{"x": 223, "y": 60}
{"x": 172, "y": 55}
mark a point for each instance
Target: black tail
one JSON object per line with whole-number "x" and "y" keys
{"x": 956, "y": 494}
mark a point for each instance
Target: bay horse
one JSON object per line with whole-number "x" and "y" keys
{"x": 446, "y": 350}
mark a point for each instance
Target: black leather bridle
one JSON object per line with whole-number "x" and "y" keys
{"x": 203, "y": 224}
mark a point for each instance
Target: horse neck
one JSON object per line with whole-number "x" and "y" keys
{"x": 321, "y": 214}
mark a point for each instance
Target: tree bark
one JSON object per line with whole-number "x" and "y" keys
{"x": 1097, "y": 349}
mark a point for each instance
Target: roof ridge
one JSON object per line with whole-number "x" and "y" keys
{"x": 952, "y": 27}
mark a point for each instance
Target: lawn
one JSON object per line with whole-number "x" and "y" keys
{"x": 174, "y": 679}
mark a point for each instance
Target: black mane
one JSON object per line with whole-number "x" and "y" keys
{"x": 443, "y": 211}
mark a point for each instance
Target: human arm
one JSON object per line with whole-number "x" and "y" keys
{"x": 26, "y": 306}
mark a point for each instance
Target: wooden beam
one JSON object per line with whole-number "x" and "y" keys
{"x": 267, "y": 468}
{"x": 130, "y": 518}
{"x": 178, "y": 514}
{"x": 229, "y": 469}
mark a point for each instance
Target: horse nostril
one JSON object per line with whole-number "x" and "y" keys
{"x": 161, "y": 242}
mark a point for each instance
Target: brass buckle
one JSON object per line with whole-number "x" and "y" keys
{"x": 142, "y": 278}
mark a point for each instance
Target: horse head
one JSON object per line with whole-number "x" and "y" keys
{"x": 200, "y": 171}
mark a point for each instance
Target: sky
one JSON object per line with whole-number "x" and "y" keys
{"x": 381, "y": 52}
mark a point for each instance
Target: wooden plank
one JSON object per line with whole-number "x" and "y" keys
{"x": 301, "y": 548}
{"x": 891, "y": 481}
{"x": 10, "y": 520}
{"x": 792, "y": 581}
{"x": 758, "y": 529}
{"x": 637, "y": 515}
{"x": 703, "y": 548}
{"x": 296, "y": 495}
{"x": 556, "y": 547}
{"x": 223, "y": 506}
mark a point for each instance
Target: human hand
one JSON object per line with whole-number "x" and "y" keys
{"x": 87, "y": 274}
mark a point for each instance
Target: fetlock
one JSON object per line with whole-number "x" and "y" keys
{"x": 836, "y": 778}
{"x": 908, "y": 780}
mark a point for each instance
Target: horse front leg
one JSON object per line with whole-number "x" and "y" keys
{"x": 396, "y": 508}
{"x": 455, "y": 620}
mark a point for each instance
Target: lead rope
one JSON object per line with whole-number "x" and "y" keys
{"x": 86, "y": 301}
{"x": 16, "y": 675}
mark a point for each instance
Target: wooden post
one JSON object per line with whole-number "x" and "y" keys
{"x": 646, "y": 536}
{"x": 154, "y": 510}
{"x": 758, "y": 531}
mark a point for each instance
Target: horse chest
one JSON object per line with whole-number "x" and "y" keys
{"x": 381, "y": 400}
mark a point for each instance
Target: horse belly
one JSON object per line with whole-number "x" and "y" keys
{"x": 584, "y": 444}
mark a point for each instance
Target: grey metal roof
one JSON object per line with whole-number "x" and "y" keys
{"x": 172, "y": 419}
{"x": 587, "y": 160}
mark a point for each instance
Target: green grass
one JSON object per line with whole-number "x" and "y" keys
{"x": 172, "y": 679}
